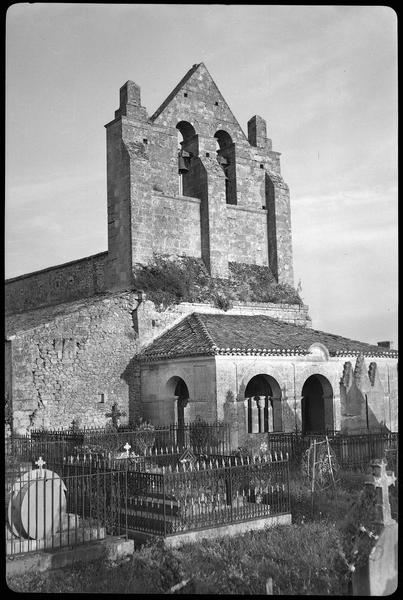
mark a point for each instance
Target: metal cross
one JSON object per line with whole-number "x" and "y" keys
{"x": 127, "y": 448}
{"x": 40, "y": 462}
{"x": 115, "y": 414}
{"x": 382, "y": 480}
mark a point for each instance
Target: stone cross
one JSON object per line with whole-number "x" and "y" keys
{"x": 115, "y": 414}
{"x": 74, "y": 425}
{"x": 40, "y": 462}
{"x": 127, "y": 448}
{"x": 382, "y": 480}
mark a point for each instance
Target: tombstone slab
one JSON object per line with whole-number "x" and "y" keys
{"x": 37, "y": 505}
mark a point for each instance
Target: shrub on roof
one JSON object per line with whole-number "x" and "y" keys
{"x": 168, "y": 281}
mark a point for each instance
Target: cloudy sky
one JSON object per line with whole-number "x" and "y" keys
{"x": 324, "y": 78}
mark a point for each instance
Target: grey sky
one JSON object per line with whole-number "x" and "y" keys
{"x": 324, "y": 78}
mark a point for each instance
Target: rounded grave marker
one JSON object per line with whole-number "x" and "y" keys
{"x": 37, "y": 504}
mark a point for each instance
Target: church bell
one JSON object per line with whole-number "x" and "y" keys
{"x": 222, "y": 160}
{"x": 183, "y": 162}
{"x": 182, "y": 166}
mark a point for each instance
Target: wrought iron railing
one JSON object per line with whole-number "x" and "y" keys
{"x": 353, "y": 451}
{"x": 46, "y": 509}
{"x": 81, "y": 500}
{"x": 206, "y": 497}
{"x": 198, "y": 435}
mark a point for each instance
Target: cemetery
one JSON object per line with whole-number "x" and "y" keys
{"x": 258, "y": 454}
{"x": 71, "y": 488}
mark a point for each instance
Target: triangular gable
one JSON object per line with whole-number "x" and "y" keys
{"x": 197, "y": 80}
{"x": 174, "y": 92}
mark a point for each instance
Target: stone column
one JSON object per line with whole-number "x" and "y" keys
{"x": 270, "y": 410}
{"x": 260, "y": 402}
{"x": 255, "y": 415}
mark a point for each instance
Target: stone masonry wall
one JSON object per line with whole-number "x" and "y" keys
{"x": 247, "y": 235}
{"x": 72, "y": 367}
{"x": 180, "y": 216}
{"x": 77, "y": 279}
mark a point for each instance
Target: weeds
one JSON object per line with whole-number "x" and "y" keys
{"x": 169, "y": 281}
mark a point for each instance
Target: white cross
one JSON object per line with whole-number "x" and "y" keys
{"x": 40, "y": 462}
{"x": 127, "y": 448}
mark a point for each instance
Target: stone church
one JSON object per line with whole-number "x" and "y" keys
{"x": 187, "y": 182}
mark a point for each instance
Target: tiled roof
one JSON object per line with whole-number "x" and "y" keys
{"x": 212, "y": 334}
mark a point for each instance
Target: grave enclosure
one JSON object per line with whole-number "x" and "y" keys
{"x": 162, "y": 491}
{"x": 100, "y": 483}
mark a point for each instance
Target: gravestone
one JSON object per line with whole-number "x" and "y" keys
{"x": 378, "y": 576}
{"x": 37, "y": 515}
{"x": 37, "y": 505}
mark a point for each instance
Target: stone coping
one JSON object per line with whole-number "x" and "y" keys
{"x": 237, "y": 528}
{"x": 54, "y": 267}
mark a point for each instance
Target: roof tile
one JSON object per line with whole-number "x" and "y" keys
{"x": 201, "y": 333}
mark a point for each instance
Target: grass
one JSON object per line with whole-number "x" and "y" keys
{"x": 303, "y": 558}
{"x": 230, "y": 565}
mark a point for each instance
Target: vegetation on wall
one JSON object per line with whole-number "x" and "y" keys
{"x": 168, "y": 281}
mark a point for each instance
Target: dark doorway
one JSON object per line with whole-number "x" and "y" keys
{"x": 182, "y": 394}
{"x": 317, "y": 405}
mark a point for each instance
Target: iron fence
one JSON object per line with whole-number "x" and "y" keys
{"x": 201, "y": 496}
{"x": 47, "y": 510}
{"x": 198, "y": 435}
{"x": 353, "y": 451}
{"x": 357, "y": 451}
{"x": 83, "y": 500}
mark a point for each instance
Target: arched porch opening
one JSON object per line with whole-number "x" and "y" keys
{"x": 264, "y": 409}
{"x": 178, "y": 389}
{"x": 317, "y": 405}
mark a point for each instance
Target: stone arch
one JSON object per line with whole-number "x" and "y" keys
{"x": 263, "y": 404}
{"x": 227, "y": 159}
{"x": 317, "y": 404}
{"x": 187, "y": 153}
{"x": 177, "y": 387}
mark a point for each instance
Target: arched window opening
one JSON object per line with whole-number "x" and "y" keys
{"x": 226, "y": 159}
{"x": 188, "y": 148}
{"x": 317, "y": 405}
{"x": 264, "y": 410}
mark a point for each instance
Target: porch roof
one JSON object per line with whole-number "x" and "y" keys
{"x": 202, "y": 334}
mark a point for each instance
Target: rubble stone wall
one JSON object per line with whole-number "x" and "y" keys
{"x": 77, "y": 279}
